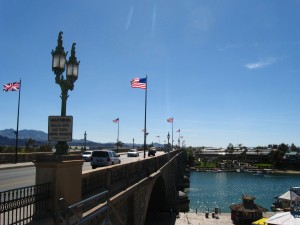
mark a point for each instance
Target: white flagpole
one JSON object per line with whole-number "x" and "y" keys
{"x": 118, "y": 135}
{"x": 17, "y": 132}
{"x": 172, "y": 133}
{"x": 145, "y": 122}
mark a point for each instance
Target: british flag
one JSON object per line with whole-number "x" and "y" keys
{"x": 15, "y": 86}
{"x": 170, "y": 120}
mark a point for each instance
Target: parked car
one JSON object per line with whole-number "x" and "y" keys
{"x": 152, "y": 151}
{"x": 86, "y": 155}
{"x": 133, "y": 153}
{"x": 104, "y": 157}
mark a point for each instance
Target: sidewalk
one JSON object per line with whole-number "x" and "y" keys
{"x": 193, "y": 219}
{"x": 15, "y": 165}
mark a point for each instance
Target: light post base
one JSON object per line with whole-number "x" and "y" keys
{"x": 62, "y": 148}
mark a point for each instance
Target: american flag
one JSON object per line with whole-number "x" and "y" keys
{"x": 170, "y": 120}
{"x": 116, "y": 120}
{"x": 139, "y": 83}
{"x": 15, "y": 86}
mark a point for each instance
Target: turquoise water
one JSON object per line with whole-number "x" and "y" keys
{"x": 209, "y": 190}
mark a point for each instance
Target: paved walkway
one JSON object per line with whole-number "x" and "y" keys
{"x": 196, "y": 219}
{"x": 193, "y": 219}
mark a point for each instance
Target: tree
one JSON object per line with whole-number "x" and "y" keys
{"x": 293, "y": 148}
{"x": 119, "y": 144}
{"x": 190, "y": 157}
{"x": 30, "y": 144}
{"x": 230, "y": 149}
{"x": 45, "y": 148}
{"x": 277, "y": 156}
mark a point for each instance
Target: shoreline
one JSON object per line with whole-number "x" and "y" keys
{"x": 287, "y": 171}
{"x": 275, "y": 171}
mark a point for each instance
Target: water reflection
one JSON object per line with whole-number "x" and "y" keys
{"x": 210, "y": 190}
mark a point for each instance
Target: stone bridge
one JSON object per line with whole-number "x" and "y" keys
{"x": 137, "y": 190}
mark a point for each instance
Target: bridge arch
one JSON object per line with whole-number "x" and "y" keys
{"x": 158, "y": 197}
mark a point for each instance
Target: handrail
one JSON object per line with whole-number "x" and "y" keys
{"x": 73, "y": 209}
{"x": 88, "y": 200}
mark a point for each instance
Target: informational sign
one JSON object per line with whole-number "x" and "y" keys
{"x": 60, "y": 128}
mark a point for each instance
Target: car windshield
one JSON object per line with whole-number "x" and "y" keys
{"x": 132, "y": 150}
{"x": 86, "y": 153}
{"x": 100, "y": 154}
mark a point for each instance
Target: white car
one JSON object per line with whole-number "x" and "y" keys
{"x": 104, "y": 157}
{"x": 86, "y": 155}
{"x": 133, "y": 153}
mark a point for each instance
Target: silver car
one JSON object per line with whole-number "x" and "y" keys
{"x": 133, "y": 153}
{"x": 104, "y": 157}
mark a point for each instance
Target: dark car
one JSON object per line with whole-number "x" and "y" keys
{"x": 152, "y": 151}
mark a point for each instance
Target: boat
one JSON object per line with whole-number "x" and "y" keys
{"x": 258, "y": 173}
{"x": 268, "y": 171}
{"x": 217, "y": 170}
{"x": 240, "y": 170}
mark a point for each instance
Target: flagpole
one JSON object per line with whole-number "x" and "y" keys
{"x": 178, "y": 137}
{"x": 118, "y": 136}
{"x": 17, "y": 132}
{"x": 145, "y": 122}
{"x": 172, "y": 134}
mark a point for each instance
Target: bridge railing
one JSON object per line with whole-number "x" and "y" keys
{"x": 119, "y": 177}
{"x": 27, "y": 205}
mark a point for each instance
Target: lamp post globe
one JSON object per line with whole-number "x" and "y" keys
{"x": 59, "y": 63}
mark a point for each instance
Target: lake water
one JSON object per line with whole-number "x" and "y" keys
{"x": 209, "y": 190}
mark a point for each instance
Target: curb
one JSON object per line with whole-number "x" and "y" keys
{"x": 14, "y": 166}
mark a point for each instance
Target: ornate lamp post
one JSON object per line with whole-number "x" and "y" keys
{"x": 133, "y": 143}
{"x": 84, "y": 140}
{"x": 59, "y": 63}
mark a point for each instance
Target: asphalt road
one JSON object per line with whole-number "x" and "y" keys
{"x": 23, "y": 177}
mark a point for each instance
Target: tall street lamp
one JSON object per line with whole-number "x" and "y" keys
{"x": 59, "y": 63}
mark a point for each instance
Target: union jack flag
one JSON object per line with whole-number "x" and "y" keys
{"x": 170, "y": 120}
{"x": 15, "y": 86}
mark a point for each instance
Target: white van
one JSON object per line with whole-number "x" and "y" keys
{"x": 104, "y": 157}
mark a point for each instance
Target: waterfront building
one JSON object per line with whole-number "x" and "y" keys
{"x": 247, "y": 211}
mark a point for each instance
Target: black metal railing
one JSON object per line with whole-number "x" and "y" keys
{"x": 24, "y": 205}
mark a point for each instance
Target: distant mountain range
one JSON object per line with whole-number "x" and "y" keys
{"x": 25, "y": 134}
{"x": 8, "y": 138}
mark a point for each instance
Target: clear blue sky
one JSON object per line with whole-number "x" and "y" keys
{"x": 227, "y": 71}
